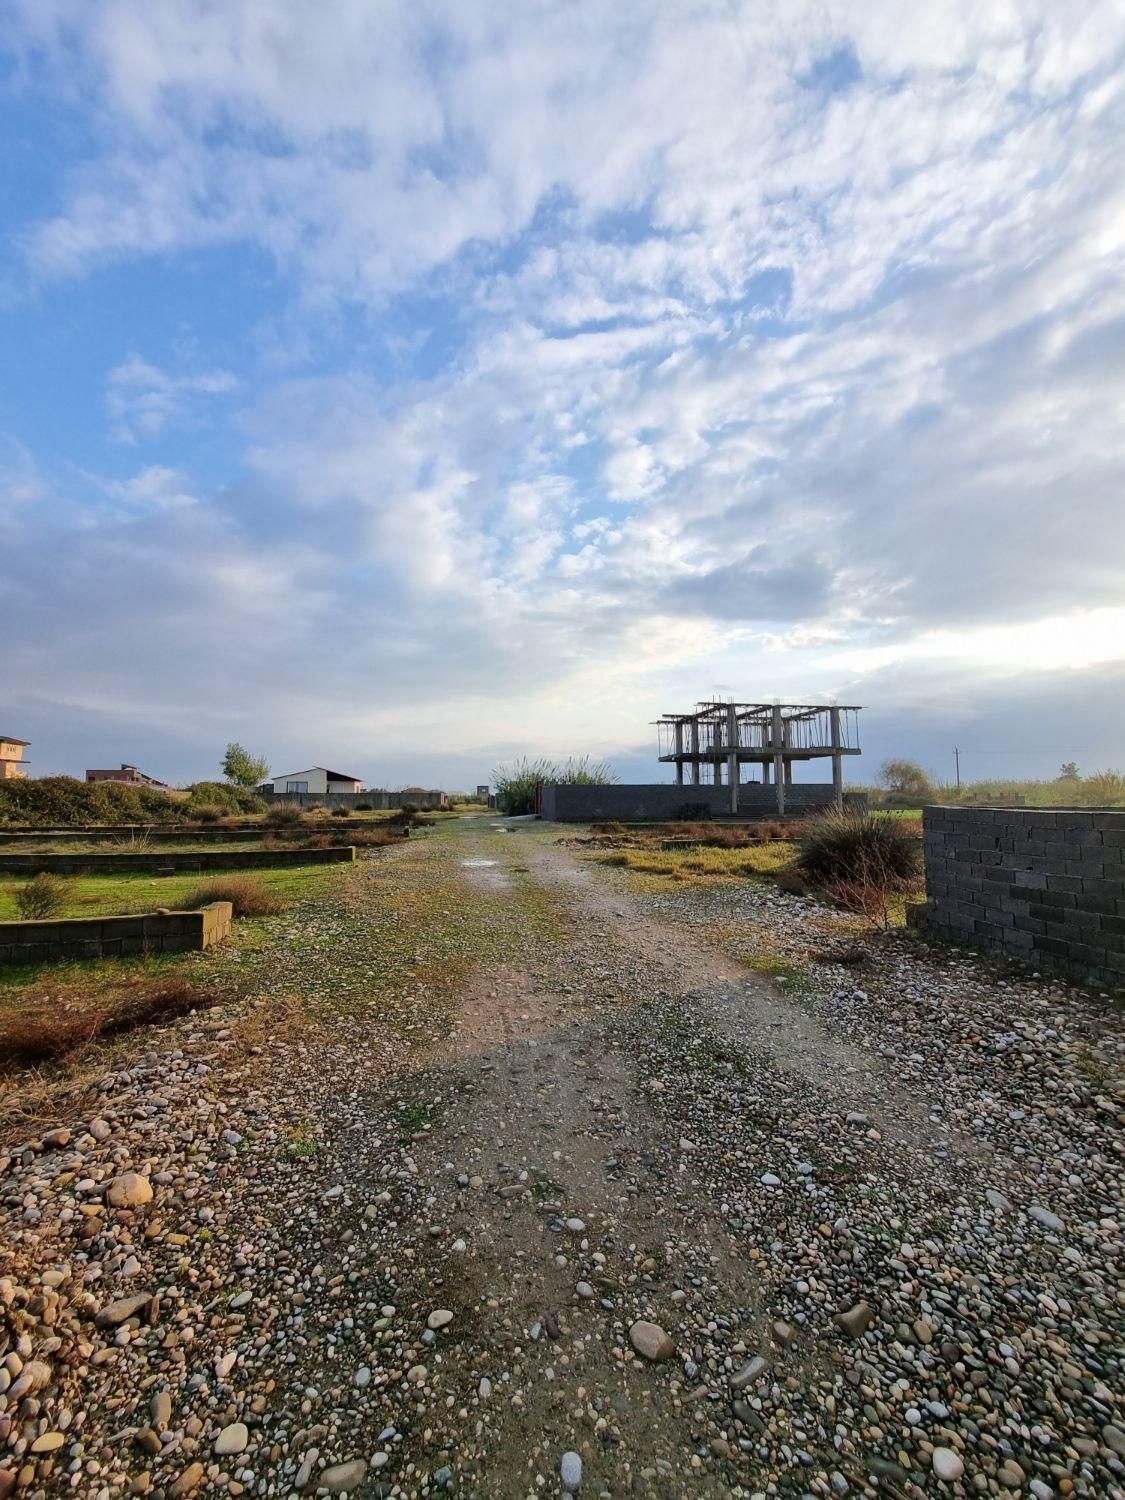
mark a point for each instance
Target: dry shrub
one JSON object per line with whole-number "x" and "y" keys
{"x": 341, "y": 812}
{"x": 41, "y": 897}
{"x": 28, "y": 1038}
{"x": 283, "y": 817}
{"x": 206, "y": 813}
{"x": 608, "y": 830}
{"x": 793, "y": 882}
{"x": 248, "y": 897}
{"x": 378, "y": 838}
{"x": 860, "y": 861}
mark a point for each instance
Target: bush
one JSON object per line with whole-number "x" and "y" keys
{"x": 248, "y": 897}
{"x": 284, "y": 817}
{"x": 42, "y": 896}
{"x": 207, "y": 812}
{"x": 856, "y": 847}
{"x": 341, "y": 812}
{"x": 363, "y": 807}
{"x": 231, "y": 799}
{"x": 65, "y": 802}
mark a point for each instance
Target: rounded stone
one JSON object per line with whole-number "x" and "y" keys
{"x": 232, "y": 1439}
{"x": 570, "y": 1472}
{"x": 650, "y": 1341}
{"x": 947, "y": 1466}
{"x": 130, "y": 1190}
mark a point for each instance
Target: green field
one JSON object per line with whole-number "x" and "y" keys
{"x": 131, "y": 892}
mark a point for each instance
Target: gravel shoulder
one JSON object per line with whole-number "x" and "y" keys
{"x": 482, "y": 1121}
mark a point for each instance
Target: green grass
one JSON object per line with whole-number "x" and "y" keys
{"x": 136, "y": 891}
{"x": 704, "y": 866}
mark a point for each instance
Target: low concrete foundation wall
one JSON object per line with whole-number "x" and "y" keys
{"x": 667, "y": 802}
{"x": 1045, "y": 886}
{"x": 114, "y": 937}
{"x": 173, "y": 861}
{"x": 377, "y": 801}
{"x": 14, "y": 841}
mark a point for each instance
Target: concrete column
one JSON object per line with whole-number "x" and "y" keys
{"x": 837, "y": 759}
{"x": 695, "y": 768}
{"x": 679, "y": 732}
{"x": 732, "y": 757}
{"x": 776, "y": 742}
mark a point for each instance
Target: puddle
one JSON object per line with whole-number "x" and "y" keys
{"x": 476, "y": 864}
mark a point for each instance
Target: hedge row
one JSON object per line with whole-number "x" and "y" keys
{"x": 62, "y": 801}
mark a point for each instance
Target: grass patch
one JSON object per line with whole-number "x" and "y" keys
{"x": 128, "y": 892}
{"x": 302, "y": 1144}
{"x": 705, "y": 866}
{"x": 418, "y": 1114}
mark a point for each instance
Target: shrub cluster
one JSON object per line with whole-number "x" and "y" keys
{"x": 41, "y": 897}
{"x": 247, "y": 896}
{"x": 859, "y": 860}
{"x": 65, "y": 802}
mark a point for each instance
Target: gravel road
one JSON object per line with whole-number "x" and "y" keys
{"x": 609, "y": 1211}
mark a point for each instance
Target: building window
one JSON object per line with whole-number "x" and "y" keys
{"x": 296, "y": 786}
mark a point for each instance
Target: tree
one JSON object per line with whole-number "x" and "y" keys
{"x": 243, "y": 769}
{"x": 1069, "y": 771}
{"x": 906, "y": 778}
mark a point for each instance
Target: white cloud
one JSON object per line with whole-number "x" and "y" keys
{"x": 142, "y": 400}
{"x": 748, "y": 377}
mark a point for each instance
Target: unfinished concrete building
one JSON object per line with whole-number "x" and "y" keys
{"x": 712, "y": 744}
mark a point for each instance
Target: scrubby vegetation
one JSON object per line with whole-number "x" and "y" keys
{"x": 43, "y": 896}
{"x": 515, "y": 783}
{"x": 65, "y": 802}
{"x": 862, "y": 862}
{"x": 40, "y": 1031}
{"x": 1069, "y": 789}
{"x": 248, "y": 897}
{"x": 284, "y": 817}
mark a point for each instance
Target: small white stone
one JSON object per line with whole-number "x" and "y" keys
{"x": 947, "y": 1466}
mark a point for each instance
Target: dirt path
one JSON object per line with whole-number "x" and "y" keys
{"x": 493, "y": 1107}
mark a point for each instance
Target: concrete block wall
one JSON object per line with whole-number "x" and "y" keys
{"x": 1044, "y": 886}
{"x": 114, "y": 937}
{"x": 377, "y": 801}
{"x": 173, "y": 861}
{"x": 666, "y": 801}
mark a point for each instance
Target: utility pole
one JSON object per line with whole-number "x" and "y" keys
{"x": 957, "y": 763}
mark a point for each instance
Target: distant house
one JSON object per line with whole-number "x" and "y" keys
{"x": 12, "y": 764}
{"x": 319, "y": 781}
{"x": 128, "y": 776}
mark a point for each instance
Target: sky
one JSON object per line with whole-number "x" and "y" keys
{"x": 404, "y": 387}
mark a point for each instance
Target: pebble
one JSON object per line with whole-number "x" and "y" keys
{"x": 650, "y": 1341}
{"x": 570, "y": 1472}
{"x": 947, "y": 1465}
{"x": 345, "y": 1476}
{"x": 130, "y": 1190}
{"x": 232, "y": 1440}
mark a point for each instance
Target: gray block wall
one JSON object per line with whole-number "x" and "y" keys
{"x": 665, "y": 801}
{"x": 114, "y": 937}
{"x": 173, "y": 861}
{"x": 1044, "y": 886}
{"x": 377, "y": 801}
